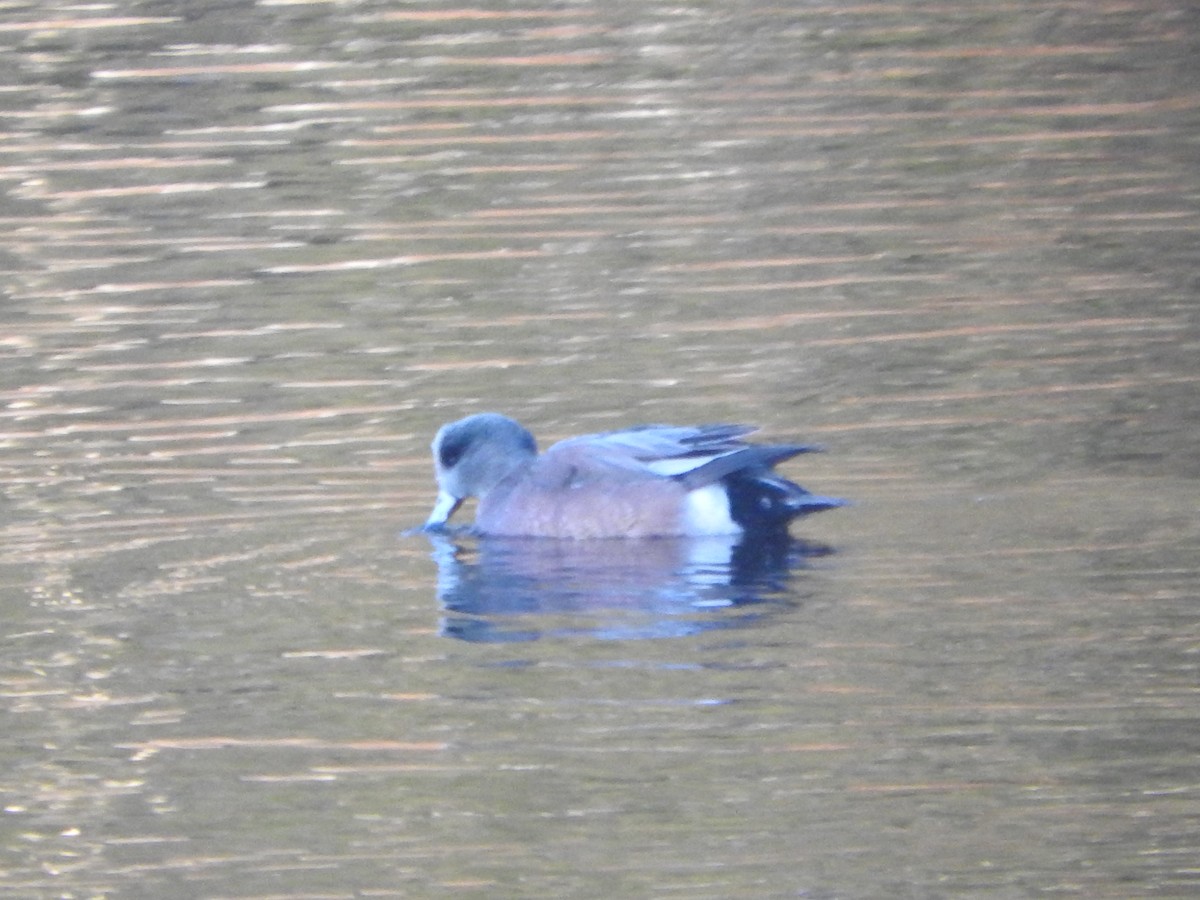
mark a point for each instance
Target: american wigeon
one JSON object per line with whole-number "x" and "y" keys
{"x": 649, "y": 481}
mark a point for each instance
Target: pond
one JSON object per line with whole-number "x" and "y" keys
{"x": 256, "y": 255}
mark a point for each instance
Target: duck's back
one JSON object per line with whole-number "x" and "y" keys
{"x": 653, "y": 481}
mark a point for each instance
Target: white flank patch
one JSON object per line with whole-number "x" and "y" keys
{"x": 707, "y": 512}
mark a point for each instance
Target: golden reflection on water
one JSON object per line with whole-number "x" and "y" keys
{"x": 256, "y": 256}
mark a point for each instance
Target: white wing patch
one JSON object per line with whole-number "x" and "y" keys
{"x": 675, "y": 465}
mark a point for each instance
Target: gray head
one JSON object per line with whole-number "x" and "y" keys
{"x": 472, "y": 456}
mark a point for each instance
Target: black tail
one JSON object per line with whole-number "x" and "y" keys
{"x": 763, "y": 501}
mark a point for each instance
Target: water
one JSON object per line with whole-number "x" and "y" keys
{"x": 256, "y": 255}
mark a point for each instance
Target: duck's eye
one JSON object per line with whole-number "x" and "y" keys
{"x": 451, "y": 449}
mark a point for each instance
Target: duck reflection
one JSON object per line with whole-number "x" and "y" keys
{"x": 521, "y": 589}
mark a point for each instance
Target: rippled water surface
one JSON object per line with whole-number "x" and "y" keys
{"x": 255, "y": 254}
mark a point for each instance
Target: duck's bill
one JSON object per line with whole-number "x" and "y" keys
{"x": 442, "y": 510}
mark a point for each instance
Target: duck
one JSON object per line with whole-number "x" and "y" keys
{"x": 647, "y": 481}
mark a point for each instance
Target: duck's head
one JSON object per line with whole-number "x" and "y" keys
{"x": 473, "y": 455}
